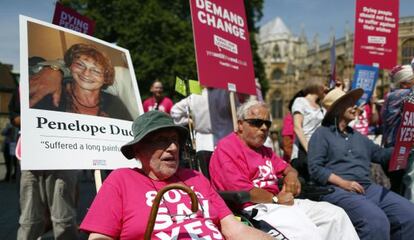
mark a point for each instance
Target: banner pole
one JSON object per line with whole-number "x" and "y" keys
{"x": 190, "y": 123}
{"x": 98, "y": 179}
{"x": 233, "y": 109}
{"x": 192, "y": 137}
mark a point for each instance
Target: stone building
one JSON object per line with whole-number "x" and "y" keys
{"x": 290, "y": 60}
{"x": 8, "y": 82}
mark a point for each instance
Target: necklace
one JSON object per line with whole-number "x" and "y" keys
{"x": 77, "y": 100}
{"x": 164, "y": 202}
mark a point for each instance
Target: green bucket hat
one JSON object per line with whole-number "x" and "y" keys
{"x": 147, "y": 123}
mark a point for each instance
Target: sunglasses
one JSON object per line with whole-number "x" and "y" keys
{"x": 258, "y": 122}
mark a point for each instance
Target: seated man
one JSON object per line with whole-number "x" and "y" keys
{"x": 123, "y": 204}
{"x": 241, "y": 162}
{"x": 341, "y": 157}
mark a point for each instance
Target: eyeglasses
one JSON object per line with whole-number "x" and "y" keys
{"x": 256, "y": 122}
{"x": 162, "y": 142}
{"x": 81, "y": 66}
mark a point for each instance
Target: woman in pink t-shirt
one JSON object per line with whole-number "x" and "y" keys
{"x": 288, "y": 137}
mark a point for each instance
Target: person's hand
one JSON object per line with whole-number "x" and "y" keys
{"x": 352, "y": 186}
{"x": 46, "y": 81}
{"x": 285, "y": 198}
{"x": 292, "y": 184}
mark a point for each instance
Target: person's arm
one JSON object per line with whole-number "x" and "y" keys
{"x": 179, "y": 112}
{"x": 233, "y": 229}
{"x": 379, "y": 154}
{"x": 351, "y": 186}
{"x": 297, "y": 127}
{"x": 98, "y": 236}
{"x": 258, "y": 195}
{"x": 291, "y": 181}
{"x": 291, "y": 185}
{"x": 228, "y": 172}
{"x": 287, "y": 145}
{"x": 374, "y": 115}
{"x": 318, "y": 156}
{"x": 103, "y": 220}
{"x": 46, "y": 81}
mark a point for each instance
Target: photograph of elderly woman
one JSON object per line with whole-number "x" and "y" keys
{"x": 78, "y": 80}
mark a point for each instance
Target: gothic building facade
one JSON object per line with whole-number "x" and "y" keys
{"x": 290, "y": 60}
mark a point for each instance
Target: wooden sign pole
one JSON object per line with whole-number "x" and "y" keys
{"x": 233, "y": 109}
{"x": 98, "y": 179}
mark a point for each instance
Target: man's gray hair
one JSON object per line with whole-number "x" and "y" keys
{"x": 244, "y": 109}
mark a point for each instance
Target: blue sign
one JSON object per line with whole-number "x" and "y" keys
{"x": 365, "y": 77}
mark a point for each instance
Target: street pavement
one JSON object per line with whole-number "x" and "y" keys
{"x": 9, "y": 204}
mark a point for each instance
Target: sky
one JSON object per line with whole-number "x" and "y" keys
{"x": 317, "y": 16}
{"x": 9, "y": 25}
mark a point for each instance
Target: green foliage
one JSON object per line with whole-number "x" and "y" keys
{"x": 158, "y": 34}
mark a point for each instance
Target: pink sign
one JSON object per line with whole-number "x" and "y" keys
{"x": 69, "y": 18}
{"x": 221, "y": 39}
{"x": 376, "y": 33}
{"x": 405, "y": 139}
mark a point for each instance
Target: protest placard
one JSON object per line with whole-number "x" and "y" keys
{"x": 376, "y": 33}
{"x": 99, "y": 99}
{"x": 180, "y": 86}
{"x": 195, "y": 86}
{"x": 221, "y": 39}
{"x": 365, "y": 77}
{"x": 405, "y": 139}
{"x": 69, "y": 18}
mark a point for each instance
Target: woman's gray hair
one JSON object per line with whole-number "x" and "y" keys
{"x": 244, "y": 109}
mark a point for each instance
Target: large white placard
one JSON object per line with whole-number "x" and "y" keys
{"x": 64, "y": 136}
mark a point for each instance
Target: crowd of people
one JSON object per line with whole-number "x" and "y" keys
{"x": 324, "y": 142}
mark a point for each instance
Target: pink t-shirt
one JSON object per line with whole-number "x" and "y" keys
{"x": 122, "y": 206}
{"x": 235, "y": 166}
{"x": 164, "y": 105}
{"x": 361, "y": 124}
{"x": 287, "y": 129}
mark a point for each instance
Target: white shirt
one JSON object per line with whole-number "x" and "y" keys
{"x": 312, "y": 118}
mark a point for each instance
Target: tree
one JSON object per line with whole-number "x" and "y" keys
{"x": 158, "y": 34}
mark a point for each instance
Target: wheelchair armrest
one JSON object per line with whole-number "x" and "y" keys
{"x": 314, "y": 192}
{"x": 235, "y": 199}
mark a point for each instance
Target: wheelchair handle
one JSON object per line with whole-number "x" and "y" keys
{"x": 156, "y": 204}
